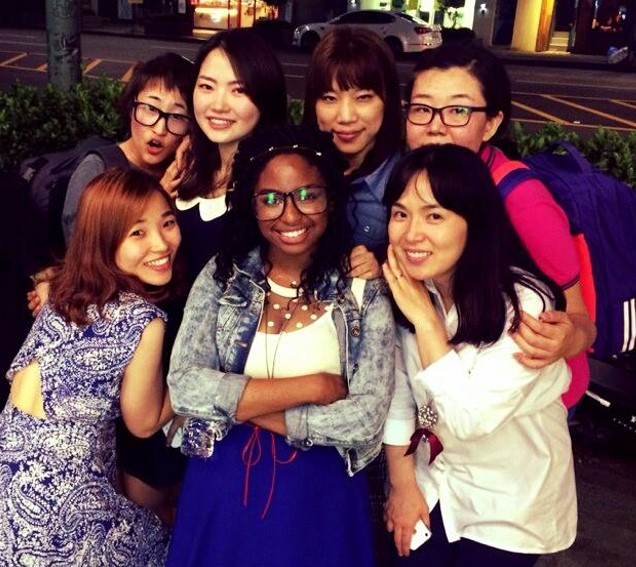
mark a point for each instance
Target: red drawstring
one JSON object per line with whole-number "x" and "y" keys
{"x": 253, "y": 443}
{"x": 252, "y": 446}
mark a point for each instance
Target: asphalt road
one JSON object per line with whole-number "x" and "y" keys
{"x": 582, "y": 99}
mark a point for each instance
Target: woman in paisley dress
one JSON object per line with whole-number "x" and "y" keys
{"x": 92, "y": 355}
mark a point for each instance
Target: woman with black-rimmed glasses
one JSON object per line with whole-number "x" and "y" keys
{"x": 154, "y": 102}
{"x": 460, "y": 94}
{"x": 284, "y": 368}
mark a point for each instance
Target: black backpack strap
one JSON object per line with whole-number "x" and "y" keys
{"x": 112, "y": 156}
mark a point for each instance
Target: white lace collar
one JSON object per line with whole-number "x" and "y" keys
{"x": 209, "y": 209}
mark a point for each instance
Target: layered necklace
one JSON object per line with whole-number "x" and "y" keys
{"x": 285, "y": 306}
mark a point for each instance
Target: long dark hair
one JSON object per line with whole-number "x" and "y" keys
{"x": 109, "y": 206}
{"x": 358, "y": 58}
{"x": 253, "y": 154}
{"x": 462, "y": 183}
{"x": 482, "y": 64}
{"x": 256, "y": 66}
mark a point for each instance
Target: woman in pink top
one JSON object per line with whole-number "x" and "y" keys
{"x": 460, "y": 94}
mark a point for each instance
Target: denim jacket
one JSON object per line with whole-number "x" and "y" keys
{"x": 366, "y": 211}
{"x": 206, "y": 377}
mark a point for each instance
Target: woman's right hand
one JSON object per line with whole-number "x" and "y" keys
{"x": 405, "y": 505}
{"x": 409, "y": 294}
{"x": 329, "y": 388}
{"x": 172, "y": 179}
{"x": 38, "y": 297}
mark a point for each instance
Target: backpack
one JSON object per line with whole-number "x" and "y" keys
{"x": 602, "y": 215}
{"x": 47, "y": 177}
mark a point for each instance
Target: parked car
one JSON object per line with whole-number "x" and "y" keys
{"x": 403, "y": 33}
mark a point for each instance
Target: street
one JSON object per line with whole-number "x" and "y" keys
{"x": 581, "y": 99}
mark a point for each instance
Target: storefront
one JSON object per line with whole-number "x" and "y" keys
{"x": 602, "y": 24}
{"x": 579, "y": 26}
{"x": 227, "y": 14}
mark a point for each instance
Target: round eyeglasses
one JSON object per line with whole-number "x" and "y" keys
{"x": 148, "y": 115}
{"x": 269, "y": 204}
{"x": 454, "y": 115}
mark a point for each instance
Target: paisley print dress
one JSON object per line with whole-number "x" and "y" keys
{"x": 58, "y": 505}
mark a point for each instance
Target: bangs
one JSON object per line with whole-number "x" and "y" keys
{"x": 354, "y": 72}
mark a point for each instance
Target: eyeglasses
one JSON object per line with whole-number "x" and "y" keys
{"x": 453, "y": 116}
{"x": 269, "y": 204}
{"x": 148, "y": 115}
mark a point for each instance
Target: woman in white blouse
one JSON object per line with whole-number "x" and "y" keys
{"x": 501, "y": 492}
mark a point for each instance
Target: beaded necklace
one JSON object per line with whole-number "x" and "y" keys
{"x": 295, "y": 299}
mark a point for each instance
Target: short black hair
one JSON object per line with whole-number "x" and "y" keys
{"x": 171, "y": 69}
{"x": 481, "y": 63}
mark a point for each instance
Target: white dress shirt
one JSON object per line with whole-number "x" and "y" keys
{"x": 505, "y": 477}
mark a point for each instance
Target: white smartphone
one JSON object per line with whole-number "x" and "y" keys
{"x": 420, "y": 536}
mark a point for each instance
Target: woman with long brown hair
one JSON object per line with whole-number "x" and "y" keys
{"x": 93, "y": 354}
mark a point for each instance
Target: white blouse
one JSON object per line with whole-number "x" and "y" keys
{"x": 505, "y": 477}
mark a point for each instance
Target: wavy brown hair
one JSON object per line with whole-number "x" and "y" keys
{"x": 110, "y": 205}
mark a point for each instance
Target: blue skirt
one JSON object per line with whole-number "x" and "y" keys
{"x": 258, "y": 502}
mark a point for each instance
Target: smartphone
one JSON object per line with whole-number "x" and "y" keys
{"x": 420, "y": 536}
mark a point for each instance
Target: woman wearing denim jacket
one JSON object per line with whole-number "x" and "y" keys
{"x": 285, "y": 368}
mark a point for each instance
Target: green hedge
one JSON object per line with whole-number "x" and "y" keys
{"x": 610, "y": 151}
{"x": 34, "y": 121}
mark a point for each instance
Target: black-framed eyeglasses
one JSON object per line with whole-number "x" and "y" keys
{"x": 269, "y": 204}
{"x": 454, "y": 115}
{"x": 148, "y": 115}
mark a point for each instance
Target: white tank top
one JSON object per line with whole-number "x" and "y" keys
{"x": 312, "y": 349}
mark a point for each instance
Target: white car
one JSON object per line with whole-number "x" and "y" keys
{"x": 403, "y": 33}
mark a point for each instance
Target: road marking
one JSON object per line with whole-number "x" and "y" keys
{"x": 588, "y": 126}
{"x": 549, "y": 117}
{"x": 170, "y": 47}
{"x": 578, "y": 97}
{"x": 20, "y": 68}
{"x": 126, "y": 76}
{"x": 91, "y": 66}
{"x": 13, "y": 59}
{"x": 591, "y": 110}
{"x": 566, "y": 84}
{"x": 623, "y": 103}
{"x": 23, "y": 43}
{"x": 18, "y": 36}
